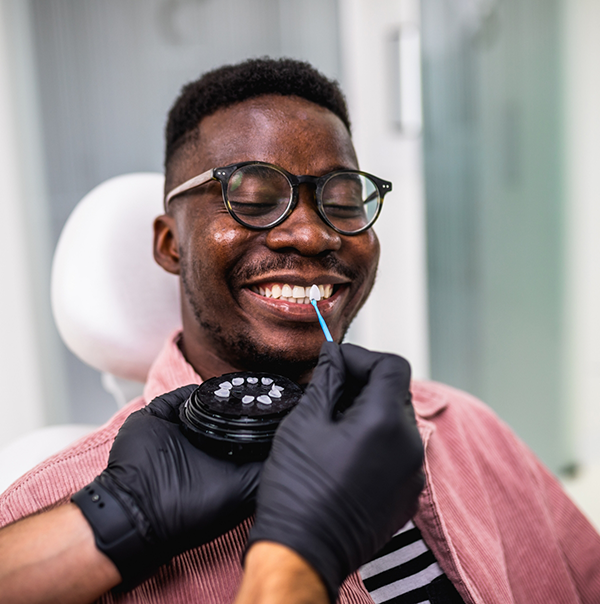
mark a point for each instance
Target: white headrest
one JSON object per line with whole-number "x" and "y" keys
{"x": 113, "y": 305}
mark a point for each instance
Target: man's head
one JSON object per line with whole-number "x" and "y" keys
{"x": 283, "y": 113}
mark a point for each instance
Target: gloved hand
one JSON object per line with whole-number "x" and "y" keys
{"x": 335, "y": 488}
{"x": 160, "y": 495}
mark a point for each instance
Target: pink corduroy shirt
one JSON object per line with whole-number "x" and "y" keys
{"x": 497, "y": 521}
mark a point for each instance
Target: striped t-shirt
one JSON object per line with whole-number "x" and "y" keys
{"x": 405, "y": 571}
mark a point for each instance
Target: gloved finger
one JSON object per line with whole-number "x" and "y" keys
{"x": 383, "y": 396}
{"x": 360, "y": 361}
{"x": 249, "y": 474}
{"x": 166, "y": 406}
{"x": 327, "y": 382}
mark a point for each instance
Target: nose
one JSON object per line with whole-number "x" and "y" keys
{"x": 304, "y": 230}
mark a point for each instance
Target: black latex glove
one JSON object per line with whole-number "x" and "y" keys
{"x": 335, "y": 488}
{"x": 159, "y": 495}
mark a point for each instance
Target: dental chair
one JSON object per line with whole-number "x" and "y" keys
{"x": 112, "y": 304}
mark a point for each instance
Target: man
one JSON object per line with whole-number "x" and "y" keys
{"x": 494, "y": 522}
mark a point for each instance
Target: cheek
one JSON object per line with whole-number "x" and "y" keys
{"x": 225, "y": 237}
{"x": 217, "y": 248}
{"x": 374, "y": 248}
{"x": 366, "y": 250}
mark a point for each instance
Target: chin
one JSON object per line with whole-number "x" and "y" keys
{"x": 291, "y": 361}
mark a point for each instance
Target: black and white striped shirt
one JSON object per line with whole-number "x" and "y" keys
{"x": 405, "y": 571}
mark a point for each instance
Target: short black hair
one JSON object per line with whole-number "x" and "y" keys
{"x": 232, "y": 84}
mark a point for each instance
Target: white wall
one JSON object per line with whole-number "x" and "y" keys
{"x": 395, "y": 317}
{"x": 21, "y": 402}
{"x": 31, "y": 363}
{"x": 582, "y": 156}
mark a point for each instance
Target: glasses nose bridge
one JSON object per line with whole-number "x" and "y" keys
{"x": 311, "y": 181}
{"x": 308, "y": 182}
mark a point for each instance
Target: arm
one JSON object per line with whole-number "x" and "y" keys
{"x": 274, "y": 573}
{"x": 159, "y": 496}
{"x": 52, "y": 556}
{"x": 579, "y": 540}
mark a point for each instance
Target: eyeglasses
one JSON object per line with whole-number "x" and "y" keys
{"x": 260, "y": 196}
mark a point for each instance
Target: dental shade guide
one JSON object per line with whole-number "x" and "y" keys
{"x": 315, "y": 296}
{"x": 235, "y": 416}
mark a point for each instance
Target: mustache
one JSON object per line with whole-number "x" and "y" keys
{"x": 293, "y": 262}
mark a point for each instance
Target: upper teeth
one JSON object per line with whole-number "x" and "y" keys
{"x": 292, "y": 293}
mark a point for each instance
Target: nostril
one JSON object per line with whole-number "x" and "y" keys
{"x": 305, "y": 237}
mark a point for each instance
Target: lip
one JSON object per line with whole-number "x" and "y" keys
{"x": 284, "y": 310}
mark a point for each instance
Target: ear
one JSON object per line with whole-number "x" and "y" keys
{"x": 166, "y": 246}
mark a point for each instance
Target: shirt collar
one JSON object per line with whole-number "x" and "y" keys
{"x": 170, "y": 370}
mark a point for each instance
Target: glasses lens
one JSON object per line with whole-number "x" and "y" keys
{"x": 350, "y": 201}
{"x": 258, "y": 195}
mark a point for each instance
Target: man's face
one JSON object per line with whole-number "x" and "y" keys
{"x": 228, "y": 324}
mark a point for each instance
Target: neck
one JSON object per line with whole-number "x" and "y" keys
{"x": 205, "y": 362}
{"x": 208, "y": 363}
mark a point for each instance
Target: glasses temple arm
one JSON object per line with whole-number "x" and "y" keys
{"x": 192, "y": 183}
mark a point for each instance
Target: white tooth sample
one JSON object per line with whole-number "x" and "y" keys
{"x": 314, "y": 293}
{"x": 274, "y": 393}
{"x": 252, "y": 380}
{"x": 286, "y": 291}
{"x": 267, "y": 292}
{"x": 298, "y": 292}
{"x": 264, "y": 399}
{"x": 247, "y": 400}
{"x": 276, "y": 291}
{"x": 266, "y": 381}
{"x": 225, "y": 385}
{"x": 261, "y": 291}
{"x": 237, "y": 381}
{"x": 277, "y": 387}
{"x": 222, "y": 393}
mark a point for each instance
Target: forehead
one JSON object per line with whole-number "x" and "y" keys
{"x": 300, "y": 136}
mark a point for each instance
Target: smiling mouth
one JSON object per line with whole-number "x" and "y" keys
{"x": 291, "y": 293}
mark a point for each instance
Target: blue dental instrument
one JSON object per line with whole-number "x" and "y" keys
{"x": 315, "y": 296}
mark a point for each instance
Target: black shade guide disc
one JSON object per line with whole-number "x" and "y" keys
{"x": 235, "y": 416}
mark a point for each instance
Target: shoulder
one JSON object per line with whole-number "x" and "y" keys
{"x": 461, "y": 421}
{"x": 431, "y": 399}
{"x": 53, "y": 481}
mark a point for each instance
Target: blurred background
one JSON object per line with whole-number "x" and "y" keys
{"x": 483, "y": 113}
